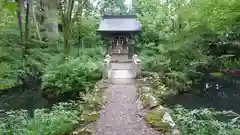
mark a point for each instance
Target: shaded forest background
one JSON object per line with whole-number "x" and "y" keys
{"x": 50, "y": 51}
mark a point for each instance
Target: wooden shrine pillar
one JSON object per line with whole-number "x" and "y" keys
{"x": 109, "y": 45}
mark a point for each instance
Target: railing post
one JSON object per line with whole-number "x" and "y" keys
{"x": 136, "y": 65}
{"x": 106, "y": 66}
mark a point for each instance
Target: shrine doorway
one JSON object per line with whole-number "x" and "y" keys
{"x": 119, "y": 44}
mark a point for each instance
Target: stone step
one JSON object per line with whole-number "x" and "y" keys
{"x": 124, "y": 81}
{"x": 127, "y": 66}
{"x": 122, "y": 74}
{"x": 122, "y": 61}
{"x": 121, "y": 53}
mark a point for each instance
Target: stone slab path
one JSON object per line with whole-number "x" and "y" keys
{"x": 120, "y": 115}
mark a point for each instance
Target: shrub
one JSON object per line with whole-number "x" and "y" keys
{"x": 75, "y": 74}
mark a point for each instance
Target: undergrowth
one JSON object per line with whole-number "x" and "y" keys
{"x": 75, "y": 74}
{"x": 59, "y": 120}
{"x": 205, "y": 122}
{"x": 62, "y": 118}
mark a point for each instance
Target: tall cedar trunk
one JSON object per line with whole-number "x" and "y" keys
{"x": 78, "y": 41}
{"x": 66, "y": 39}
{"x": 67, "y": 22}
{"x": 41, "y": 10}
{"x": 27, "y": 22}
{"x": 33, "y": 14}
{"x": 19, "y": 15}
{"x": 66, "y": 36}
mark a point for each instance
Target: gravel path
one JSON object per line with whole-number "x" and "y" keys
{"x": 120, "y": 116}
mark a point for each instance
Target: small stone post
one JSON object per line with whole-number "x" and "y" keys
{"x": 106, "y": 66}
{"x": 131, "y": 44}
{"x": 136, "y": 65}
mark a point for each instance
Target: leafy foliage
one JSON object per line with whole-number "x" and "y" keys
{"x": 116, "y": 7}
{"x": 204, "y": 121}
{"x": 180, "y": 41}
{"x": 39, "y": 54}
{"x": 21, "y": 62}
{"x": 59, "y": 120}
{"x": 84, "y": 33}
{"x": 62, "y": 118}
{"x": 181, "y": 37}
{"x": 75, "y": 74}
{"x": 9, "y": 50}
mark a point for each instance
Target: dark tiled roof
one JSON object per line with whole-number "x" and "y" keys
{"x": 121, "y": 23}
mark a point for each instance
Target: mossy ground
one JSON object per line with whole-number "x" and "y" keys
{"x": 91, "y": 114}
{"x": 155, "y": 119}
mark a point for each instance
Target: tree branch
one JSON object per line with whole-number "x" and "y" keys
{"x": 79, "y": 10}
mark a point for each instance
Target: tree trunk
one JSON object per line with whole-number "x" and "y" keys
{"x": 19, "y": 16}
{"x": 66, "y": 36}
{"x": 27, "y": 22}
{"x": 33, "y": 14}
{"x": 42, "y": 10}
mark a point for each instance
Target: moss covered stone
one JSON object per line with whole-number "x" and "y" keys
{"x": 84, "y": 131}
{"x": 155, "y": 119}
{"x": 149, "y": 100}
{"x": 91, "y": 117}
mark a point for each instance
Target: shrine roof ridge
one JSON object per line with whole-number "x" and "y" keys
{"x": 119, "y": 23}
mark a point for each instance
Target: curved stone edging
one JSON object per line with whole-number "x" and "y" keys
{"x": 157, "y": 116}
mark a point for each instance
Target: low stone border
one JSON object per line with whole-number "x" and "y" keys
{"x": 156, "y": 115}
{"x": 87, "y": 126}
